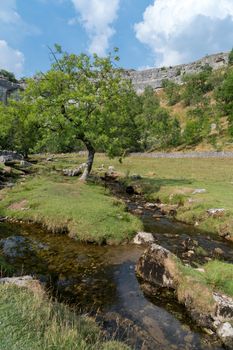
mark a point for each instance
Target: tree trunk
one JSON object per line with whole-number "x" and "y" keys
{"x": 89, "y": 163}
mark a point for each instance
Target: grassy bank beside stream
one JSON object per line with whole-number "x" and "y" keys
{"x": 85, "y": 211}
{"x": 173, "y": 182}
{"x": 29, "y": 321}
{"x": 89, "y": 213}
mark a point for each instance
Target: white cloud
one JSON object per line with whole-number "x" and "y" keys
{"x": 179, "y": 31}
{"x": 11, "y": 59}
{"x": 97, "y": 17}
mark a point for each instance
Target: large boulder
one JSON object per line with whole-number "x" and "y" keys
{"x": 157, "y": 266}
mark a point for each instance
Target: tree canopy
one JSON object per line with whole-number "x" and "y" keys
{"x": 86, "y": 99}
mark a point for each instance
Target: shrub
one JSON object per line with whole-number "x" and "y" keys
{"x": 230, "y": 58}
{"x": 172, "y": 91}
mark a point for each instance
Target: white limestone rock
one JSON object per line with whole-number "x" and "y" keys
{"x": 143, "y": 238}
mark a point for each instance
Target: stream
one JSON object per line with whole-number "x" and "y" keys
{"x": 100, "y": 280}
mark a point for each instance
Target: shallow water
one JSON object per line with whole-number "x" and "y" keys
{"x": 101, "y": 281}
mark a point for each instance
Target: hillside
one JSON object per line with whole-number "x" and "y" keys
{"x": 202, "y": 107}
{"x": 186, "y": 107}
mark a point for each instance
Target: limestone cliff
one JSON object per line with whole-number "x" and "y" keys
{"x": 7, "y": 88}
{"x": 155, "y": 76}
{"x": 140, "y": 79}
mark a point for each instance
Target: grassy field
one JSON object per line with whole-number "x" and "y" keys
{"x": 89, "y": 213}
{"x": 29, "y": 321}
{"x": 65, "y": 205}
{"x": 173, "y": 181}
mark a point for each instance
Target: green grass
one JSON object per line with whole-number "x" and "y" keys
{"x": 219, "y": 276}
{"x": 29, "y": 321}
{"x": 199, "y": 286}
{"x": 195, "y": 288}
{"x": 173, "y": 181}
{"x": 86, "y": 211}
{"x": 89, "y": 212}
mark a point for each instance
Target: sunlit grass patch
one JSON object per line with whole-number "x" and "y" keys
{"x": 84, "y": 211}
{"x": 173, "y": 181}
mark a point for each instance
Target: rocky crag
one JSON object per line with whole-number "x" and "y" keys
{"x": 155, "y": 76}
{"x": 7, "y": 88}
{"x": 140, "y": 79}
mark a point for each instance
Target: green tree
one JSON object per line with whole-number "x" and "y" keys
{"x": 166, "y": 129}
{"x": 19, "y": 130}
{"x": 224, "y": 96}
{"x": 88, "y": 100}
{"x": 192, "y": 132}
{"x": 147, "y": 105}
{"x": 224, "y": 93}
{"x": 196, "y": 85}
{"x": 175, "y": 134}
{"x": 156, "y": 127}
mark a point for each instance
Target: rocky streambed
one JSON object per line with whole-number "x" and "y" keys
{"x": 101, "y": 280}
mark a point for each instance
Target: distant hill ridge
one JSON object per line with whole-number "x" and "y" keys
{"x": 154, "y": 77}
{"x": 140, "y": 79}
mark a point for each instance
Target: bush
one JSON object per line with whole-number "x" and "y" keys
{"x": 192, "y": 132}
{"x": 196, "y": 85}
{"x": 230, "y": 58}
{"x": 172, "y": 91}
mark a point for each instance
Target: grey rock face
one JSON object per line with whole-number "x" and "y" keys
{"x": 156, "y": 269}
{"x": 7, "y": 88}
{"x": 224, "y": 309}
{"x": 154, "y": 77}
{"x": 8, "y": 156}
{"x": 153, "y": 266}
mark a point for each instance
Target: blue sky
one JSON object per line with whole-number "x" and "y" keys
{"x": 147, "y": 32}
